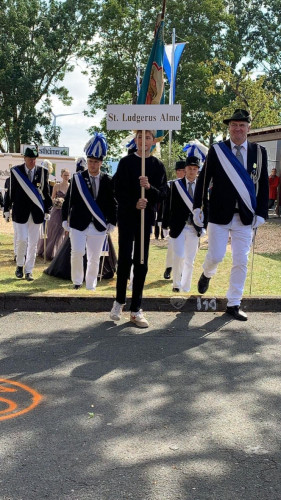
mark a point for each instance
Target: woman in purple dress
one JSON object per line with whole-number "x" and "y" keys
{"x": 55, "y": 231}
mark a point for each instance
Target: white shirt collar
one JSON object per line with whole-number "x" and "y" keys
{"x": 29, "y": 169}
{"x": 243, "y": 145}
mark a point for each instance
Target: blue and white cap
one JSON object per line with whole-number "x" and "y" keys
{"x": 196, "y": 148}
{"x": 96, "y": 147}
{"x": 81, "y": 164}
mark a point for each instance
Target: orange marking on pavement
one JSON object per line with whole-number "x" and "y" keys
{"x": 12, "y": 405}
{"x": 7, "y": 389}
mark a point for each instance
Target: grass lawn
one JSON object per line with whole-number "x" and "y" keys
{"x": 266, "y": 275}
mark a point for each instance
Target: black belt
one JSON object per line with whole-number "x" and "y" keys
{"x": 236, "y": 210}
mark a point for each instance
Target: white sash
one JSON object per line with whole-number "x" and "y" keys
{"x": 184, "y": 195}
{"x": 234, "y": 177}
{"x": 29, "y": 189}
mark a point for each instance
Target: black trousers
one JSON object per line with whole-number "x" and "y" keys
{"x": 157, "y": 231}
{"x": 129, "y": 241}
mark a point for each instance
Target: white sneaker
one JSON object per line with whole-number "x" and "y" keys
{"x": 139, "y": 319}
{"x": 116, "y": 311}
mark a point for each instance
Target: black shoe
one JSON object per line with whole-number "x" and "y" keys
{"x": 175, "y": 289}
{"x": 167, "y": 273}
{"x": 236, "y": 313}
{"x": 203, "y": 283}
{"x": 76, "y": 287}
{"x": 29, "y": 277}
{"x": 19, "y": 272}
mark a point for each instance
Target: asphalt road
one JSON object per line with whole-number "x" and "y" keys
{"x": 186, "y": 409}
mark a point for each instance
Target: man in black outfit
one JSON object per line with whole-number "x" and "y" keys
{"x": 128, "y": 182}
{"x": 88, "y": 213}
{"x": 29, "y": 197}
{"x": 238, "y": 204}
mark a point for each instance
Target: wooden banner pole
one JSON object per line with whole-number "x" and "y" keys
{"x": 142, "y": 196}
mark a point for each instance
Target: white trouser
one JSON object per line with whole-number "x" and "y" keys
{"x": 169, "y": 256}
{"x": 15, "y": 237}
{"x": 26, "y": 246}
{"x": 91, "y": 240}
{"x": 241, "y": 239}
{"x": 185, "y": 250}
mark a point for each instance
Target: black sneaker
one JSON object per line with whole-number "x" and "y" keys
{"x": 76, "y": 287}
{"x": 19, "y": 272}
{"x": 236, "y": 313}
{"x": 203, "y": 283}
{"x": 167, "y": 273}
{"x": 29, "y": 277}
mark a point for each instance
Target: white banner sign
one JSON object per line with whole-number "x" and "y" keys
{"x": 143, "y": 117}
{"x": 47, "y": 150}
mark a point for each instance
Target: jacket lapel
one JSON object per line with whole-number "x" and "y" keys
{"x": 251, "y": 156}
{"x": 87, "y": 179}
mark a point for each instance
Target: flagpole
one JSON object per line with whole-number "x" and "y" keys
{"x": 163, "y": 9}
{"x": 138, "y": 81}
{"x": 143, "y": 137}
{"x": 171, "y": 96}
{"x": 142, "y": 196}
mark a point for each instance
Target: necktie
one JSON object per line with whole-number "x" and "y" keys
{"x": 190, "y": 190}
{"x": 30, "y": 175}
{"x": 94, "y": 187}
{"x": 239, "y": 154}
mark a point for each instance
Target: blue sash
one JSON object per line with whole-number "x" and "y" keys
{"x": 89, "y": 201}
{"x": 188, "y": 200}
{"x": 238, "y": 175}
{"x": 29, "y": 188}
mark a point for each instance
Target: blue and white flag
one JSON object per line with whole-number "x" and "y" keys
{"x": 167, "y": 62}
{"x": 152, "y": 86}
{"x": 237, "y": 174}
{"x": 138, "y": 84}
{"x": 89, "y": 201}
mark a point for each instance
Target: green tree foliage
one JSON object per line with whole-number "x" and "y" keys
{"x": 38, "y": 43}
{"x": 254, "y": 93}
{"x": 235, "y": 32}
{"x": 232, "y": 58}
{"x": 124, "y": 43}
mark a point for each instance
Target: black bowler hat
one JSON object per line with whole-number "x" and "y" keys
{"x": 239, "y": 115}
{"x": 31, "y": 153}
{"x": 192, "y": 160}
{"x": 180, "y": 164}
